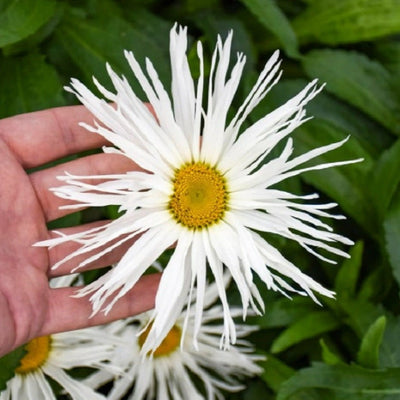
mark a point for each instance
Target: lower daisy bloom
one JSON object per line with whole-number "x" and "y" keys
{"x": 51, "y": 356}
{"x": 206, "y": 185}
{"x": 176, "y": 370}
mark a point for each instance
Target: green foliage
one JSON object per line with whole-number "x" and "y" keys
{"x": 344, "y": 382}
{"x": 348, "y": 348}
{"x": 389, "y": 351}
{"x": 348, "y": 274}
{"x": 21, "y": 18}
{"x": 34, "y": 85}
{"x": 342, "y": 21}
{"x": 384, "y": 178}
{"x": 392, "y": 236}
{"x": 275, "y": 372}
{"x": 309, "y": 326}
{"x": 368, "y": 355}
{"x": 273, "y": 19}
{"x": 80, "y": 39}
{"x": 328, "y": 355}
{"x": 282, "y": 312}
{"x": 347, "y": 184}
{"x": 8, "y": 364}
{"x": 351, "y": 76}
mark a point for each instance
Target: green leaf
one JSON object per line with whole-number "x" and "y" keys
{"x": 102, "y": 8}
{"x": 214, "y": 24}
{"x": 376, "y": 285}
{"x": 333, "y": 122}
{"x": 8, "y": 364}
{"x": 347, "y": 21}
{"x": 193, "y": 6}
{"x": 275, "y": 372}
{"x": 22, "y": 18}
{"x": 348, "y": 382}
{"x": 344, "y": 184}
{"x": 151, "y": 26}
{"x": 361, "y": 314}
{"x": 112, "y": 212}
{"x": 33, "y": 83}
{"x": 390, "y": 350}
{"x": 38, "y": 37}
{"x": 392, "y": 235}
{"x": 80, "y": 38}
{"x": 372, "y": 137}
{"x": 273, "y": 19}
{"x": 368, "y": 355}
{"x": 329, "y": 356}
{"x": 347, "y": 277}
{"x": 353, "y": 77}
{"x": 310, "y": 326}
{"x": 388, "y": 52}
{"x": 72, "y": 219}
{"x": 384, "y": 179}
{"x": 255, "y": 389}
{"x": 282, "y": 312}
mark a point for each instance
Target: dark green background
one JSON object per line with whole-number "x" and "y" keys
{"x": 349, "y": 348}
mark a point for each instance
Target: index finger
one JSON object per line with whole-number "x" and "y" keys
{"x": 68, "y": 313}
{"x": 43, "y": 136}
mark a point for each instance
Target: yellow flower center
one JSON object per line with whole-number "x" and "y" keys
{"x": 200, "y": 196}
{"x": 168, "y": 345}
{"x": 37, "y": 352}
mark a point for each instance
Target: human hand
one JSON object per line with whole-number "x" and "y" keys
{"x": 28, "y": 306}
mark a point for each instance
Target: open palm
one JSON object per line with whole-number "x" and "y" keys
{"x": 28, "y": 306}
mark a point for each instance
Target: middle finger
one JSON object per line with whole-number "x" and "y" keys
{"x": 97, "y": 164}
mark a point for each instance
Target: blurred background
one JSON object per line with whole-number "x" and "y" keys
{"x": 349, "y": 348}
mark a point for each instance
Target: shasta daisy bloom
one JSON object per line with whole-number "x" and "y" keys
{"x": 205, "y": 187}
{"x": 167, "y": 374}
{"x": 51, "y": 356}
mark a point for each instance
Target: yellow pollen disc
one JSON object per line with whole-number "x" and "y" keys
{"x": 37, "y": 352}
{"x": 199, "y": 197}
{"x": 168, "y": 345}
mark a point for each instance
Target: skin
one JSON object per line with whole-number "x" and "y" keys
{"x": 28, "y": 306}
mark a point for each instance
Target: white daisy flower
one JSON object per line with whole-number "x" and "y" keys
{"x": 53, "y": 355}
{"x": 177, "y": 371}
{"x": 205, "y": 187}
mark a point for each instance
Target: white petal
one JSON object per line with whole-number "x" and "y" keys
{"x": 76, "y": 389}
{"x": 229, "y": 333}
{"x": 172, "y": 293}
{"x": 182, "y": 85}
{"x": 225, "y": 243}
{"x": 35, "y": 386}
{"x": 257, "y": 93}
{"x": 162, "y": 107}
{"x": 263, "y": 135}
{"x": 198, "y": 264}
{"x": 219, "y": 101}
{"x": 133, "y": 264}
